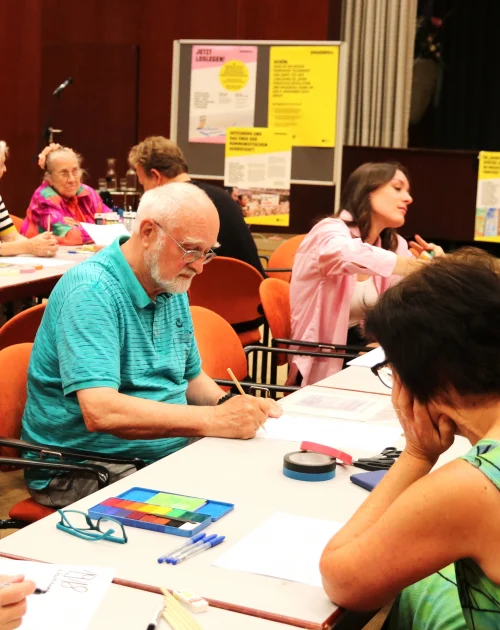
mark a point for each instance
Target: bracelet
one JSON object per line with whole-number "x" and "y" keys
{"x": 225, "y": 398}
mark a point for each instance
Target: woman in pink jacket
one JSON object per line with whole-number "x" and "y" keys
{"x": 347, "y": 261}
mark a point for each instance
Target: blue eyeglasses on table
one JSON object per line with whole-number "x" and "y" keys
{"x": 81, "y": 525}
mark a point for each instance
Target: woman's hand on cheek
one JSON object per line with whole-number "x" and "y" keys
{"x": 428, "y": 432}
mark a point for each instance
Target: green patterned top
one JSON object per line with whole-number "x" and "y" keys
{"x": 459, "y": 597}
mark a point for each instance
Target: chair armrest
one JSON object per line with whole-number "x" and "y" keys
{"x": 262, "y": 257}
{"x": 306, "y": 353}
{"x": 246, "y": 386}
{"x": 278, "y": 269}
{"x": 319, "y": 344}
{"x": 101, "y": 473}
{"x": 56, "y": 451}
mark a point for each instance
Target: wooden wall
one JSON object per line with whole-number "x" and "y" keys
{"x": 33, "y": 31}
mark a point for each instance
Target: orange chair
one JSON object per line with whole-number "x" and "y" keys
{"x": 22, "y": 328}
{"x": 14, "y": 362}
{"x": 230, "y": 287}
{"x": 218, "y": 344}
{"x": 275, "y": 298}
{"x": 17, "y": 221}
{"x": 281, "y": 261}
{"x": 220, "y": 349}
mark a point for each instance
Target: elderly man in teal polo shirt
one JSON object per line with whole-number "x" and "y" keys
{"x": 115, "y": 360}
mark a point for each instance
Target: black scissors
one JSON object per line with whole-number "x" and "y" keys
{"x": 380, "y": 462}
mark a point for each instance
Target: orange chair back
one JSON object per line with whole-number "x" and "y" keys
{"x": 275, "y": 297}
{"x": 17, "y": 221}
{"x": 14, "y": 362}
{"x": 219, "y": 345}
{"x": 22, "y": 328}
{"x": 230, "y": 288}
{"x": 283, "y": 257}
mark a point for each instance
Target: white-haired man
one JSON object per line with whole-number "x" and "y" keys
{"x": 116, "y": 344}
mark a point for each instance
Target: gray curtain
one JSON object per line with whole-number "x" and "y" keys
{"x": 380, "y": 35}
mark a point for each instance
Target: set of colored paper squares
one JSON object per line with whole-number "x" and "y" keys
{"x": 161, "y": 511}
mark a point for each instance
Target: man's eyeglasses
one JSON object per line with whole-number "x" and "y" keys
{"x": 80, "y": 525}
{"x": 384, "y": 372}
{"x": 191, "y": 255}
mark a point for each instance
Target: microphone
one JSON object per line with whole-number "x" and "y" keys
{"x": 63, "y": 86}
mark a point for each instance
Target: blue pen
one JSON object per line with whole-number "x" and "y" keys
{"x": 199, "y": 549}
{"x": 190, "y": 542}
{"x": 178, "y": 554}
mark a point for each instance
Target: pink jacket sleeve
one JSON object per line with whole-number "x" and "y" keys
{"x": 340, "y": 253}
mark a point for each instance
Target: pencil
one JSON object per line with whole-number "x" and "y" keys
{"x": 176, "y": 615}
{"x": 239, "y": 387}
{"x": 48, "y": 224}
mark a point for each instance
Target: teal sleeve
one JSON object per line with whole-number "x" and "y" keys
{"x": 88, "y": 340}
{"x": 193, "y": 363}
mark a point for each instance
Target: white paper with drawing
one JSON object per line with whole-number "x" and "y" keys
{"x": 284, "y": 546}
{"x": 73, "y": 593}
{"x": 319, "y": 401}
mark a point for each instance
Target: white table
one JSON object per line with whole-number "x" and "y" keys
{"x": 247, "y": 473}
{"x": 132, "y": 609}
{"x": 40, "y": 282}
{"x": 359, "y": 379}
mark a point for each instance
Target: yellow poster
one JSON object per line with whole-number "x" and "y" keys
{"x": 257, "y": 170}
{"x": 487, "y": 227}
{"x": 303, "y": 84}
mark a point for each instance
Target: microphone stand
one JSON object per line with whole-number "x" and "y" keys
{"x": 47, "y": 135}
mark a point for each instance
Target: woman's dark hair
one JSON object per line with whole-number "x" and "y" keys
{"x": 356, "y": 197}
{"x": 440, "y": 327}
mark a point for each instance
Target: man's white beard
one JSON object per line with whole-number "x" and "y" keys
{"x": 180, "y": 284}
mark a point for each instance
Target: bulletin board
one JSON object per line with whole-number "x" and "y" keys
{"x": 311, "y": 165}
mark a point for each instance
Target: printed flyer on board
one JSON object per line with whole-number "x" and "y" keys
{"x": 303, "y": 84}
{"x": 487, "y": 226}
{"x": 257, "y": 172}
{"x": 223, "y": 80}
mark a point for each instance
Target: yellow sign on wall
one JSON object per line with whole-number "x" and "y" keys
{"x": 303, "y": 84}
{"x": 487, "y": 227}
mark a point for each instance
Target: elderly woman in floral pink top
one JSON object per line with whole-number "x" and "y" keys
{"x": 62, "y": 201}
{"x": 347, "y": 261}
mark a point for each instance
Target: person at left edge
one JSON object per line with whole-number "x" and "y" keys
{"x": 115, "y": 360}
{"x": 63, "y": 198}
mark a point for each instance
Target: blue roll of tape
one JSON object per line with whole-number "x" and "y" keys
{"x": 309, "y": 466}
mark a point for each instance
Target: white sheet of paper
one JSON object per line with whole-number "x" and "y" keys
{"x": 369, "y": 359}
{"x": 284, "y": 546}
{"x": 321, "y": 402}
{"x": 104, "y": 234}
{"x": 34, "y": 260}
{"x": 341, "y": 434}
{"x": 74, "y": 593}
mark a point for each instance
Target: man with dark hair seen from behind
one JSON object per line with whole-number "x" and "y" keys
{"x": 159, "y": 161}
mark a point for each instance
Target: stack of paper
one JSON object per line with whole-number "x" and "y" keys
{"x": 370, "y": 359}
{"x": 285, "y": 546}
{"x": 72, "y": 597}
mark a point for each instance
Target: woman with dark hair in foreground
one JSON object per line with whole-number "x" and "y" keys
{"x": 432, "y": 540}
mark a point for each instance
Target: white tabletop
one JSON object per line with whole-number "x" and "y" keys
{"x": 45, "y": 277}
{"x": 358, "y": 379}
{"x": 132, "y": 609}
{"x": 246, "y": 473}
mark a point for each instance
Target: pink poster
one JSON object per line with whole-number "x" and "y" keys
{"x": 222, "y": 93}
